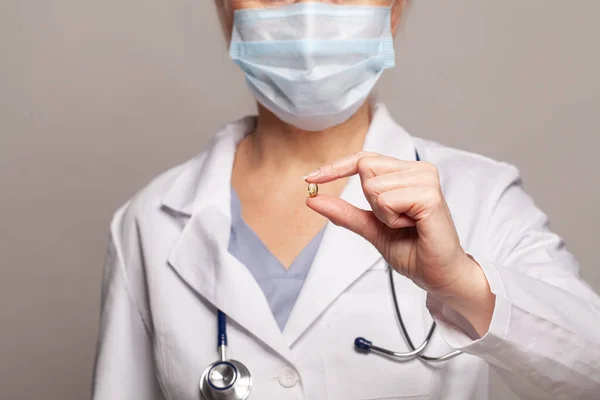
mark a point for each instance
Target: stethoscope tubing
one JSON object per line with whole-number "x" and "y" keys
{"x": 364, "y": 345}
{"x": 241, "y": 380}
{"x": 361, "y": 344}
{"x": 419, "y": 351}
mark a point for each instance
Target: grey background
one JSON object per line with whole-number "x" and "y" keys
{"x": 98, "y": 97}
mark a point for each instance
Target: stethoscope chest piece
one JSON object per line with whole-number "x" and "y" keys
{"x": 226, "y": 380}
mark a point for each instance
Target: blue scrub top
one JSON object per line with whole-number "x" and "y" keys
{"x": 281, "y": 286}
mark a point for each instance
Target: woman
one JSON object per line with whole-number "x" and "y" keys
{"x": 232, "y": 230}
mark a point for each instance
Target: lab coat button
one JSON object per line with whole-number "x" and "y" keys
{"x": 288, "y": 378}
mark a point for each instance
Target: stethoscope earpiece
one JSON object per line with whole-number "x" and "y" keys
{"x": 362, "y": 345}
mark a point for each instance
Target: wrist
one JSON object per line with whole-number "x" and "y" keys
{"x": 463, "y": 270}
{"x": 470, "y": 295}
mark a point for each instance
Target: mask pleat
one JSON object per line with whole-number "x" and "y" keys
{"x": 313, "y": 64}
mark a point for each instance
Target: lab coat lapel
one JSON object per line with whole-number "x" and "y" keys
{"x": 343, "y": 256}
{"x": 201, "y": 259}
{"x": 200, "y": 256}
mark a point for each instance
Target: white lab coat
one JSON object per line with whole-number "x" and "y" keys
{"x": 168, "y": 270}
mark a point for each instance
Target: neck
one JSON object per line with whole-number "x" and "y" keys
{"x": 278, "y": 146}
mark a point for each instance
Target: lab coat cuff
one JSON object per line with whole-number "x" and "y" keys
{"x": 458, "y": 332}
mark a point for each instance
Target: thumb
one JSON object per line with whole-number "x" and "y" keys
{"x": 342, "y": 213}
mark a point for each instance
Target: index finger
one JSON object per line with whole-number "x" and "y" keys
{"x": 340, "y": 168}
{"x": 368, "y": 164}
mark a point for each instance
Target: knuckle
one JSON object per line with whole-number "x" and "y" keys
{"x": 382, "y": 201}
{"x": 370, "y": 187}
{"x": 433, "y": 178}
{"x": 396, "y": 221}
{"x": 365, "y": 166}
{"x": 386, "y": 216}
{"x": 429, "y": 166}
{"x": 331, "y": 169}
{"x": 364, "y": 162}
{"x": 346, "y": 211}
{"x": 390, "y": 221}
{"x": 435, "y": 198}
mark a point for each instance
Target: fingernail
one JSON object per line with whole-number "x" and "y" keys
{"x": 312, "y": 174}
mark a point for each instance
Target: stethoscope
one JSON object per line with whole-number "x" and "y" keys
{"x": 231, "y": 380}
{"x": 225, "y": 379}
{"x": 366, "y": 346}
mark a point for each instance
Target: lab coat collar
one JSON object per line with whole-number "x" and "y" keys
{"x": 195, "y": 185}
{"x": 198, "y": 183}
{"x": 200, "y": 256}
{"x": 202, "y": 260}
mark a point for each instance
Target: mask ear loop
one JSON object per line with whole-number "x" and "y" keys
{"x": 391, "y": 8}
{"x": 404, "y": 9}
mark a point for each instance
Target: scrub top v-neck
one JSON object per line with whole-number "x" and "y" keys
{"x": 280, "y": 286}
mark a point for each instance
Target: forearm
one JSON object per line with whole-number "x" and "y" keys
{"x": 544, "y": 334}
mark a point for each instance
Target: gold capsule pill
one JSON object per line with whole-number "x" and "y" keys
{"x": 313, "y": 189}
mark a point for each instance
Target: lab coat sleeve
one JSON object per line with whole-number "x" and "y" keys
{"x": 544, "y": 338}
{"x": 124, "y": 366}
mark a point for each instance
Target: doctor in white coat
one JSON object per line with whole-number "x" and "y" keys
{"x": 471, "y": 250}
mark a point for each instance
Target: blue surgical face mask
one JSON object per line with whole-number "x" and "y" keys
{"x": 313, "y": 64}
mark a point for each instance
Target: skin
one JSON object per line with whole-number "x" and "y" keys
{"x": 411, "y": 227}
{"x": 410, "y": 224}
